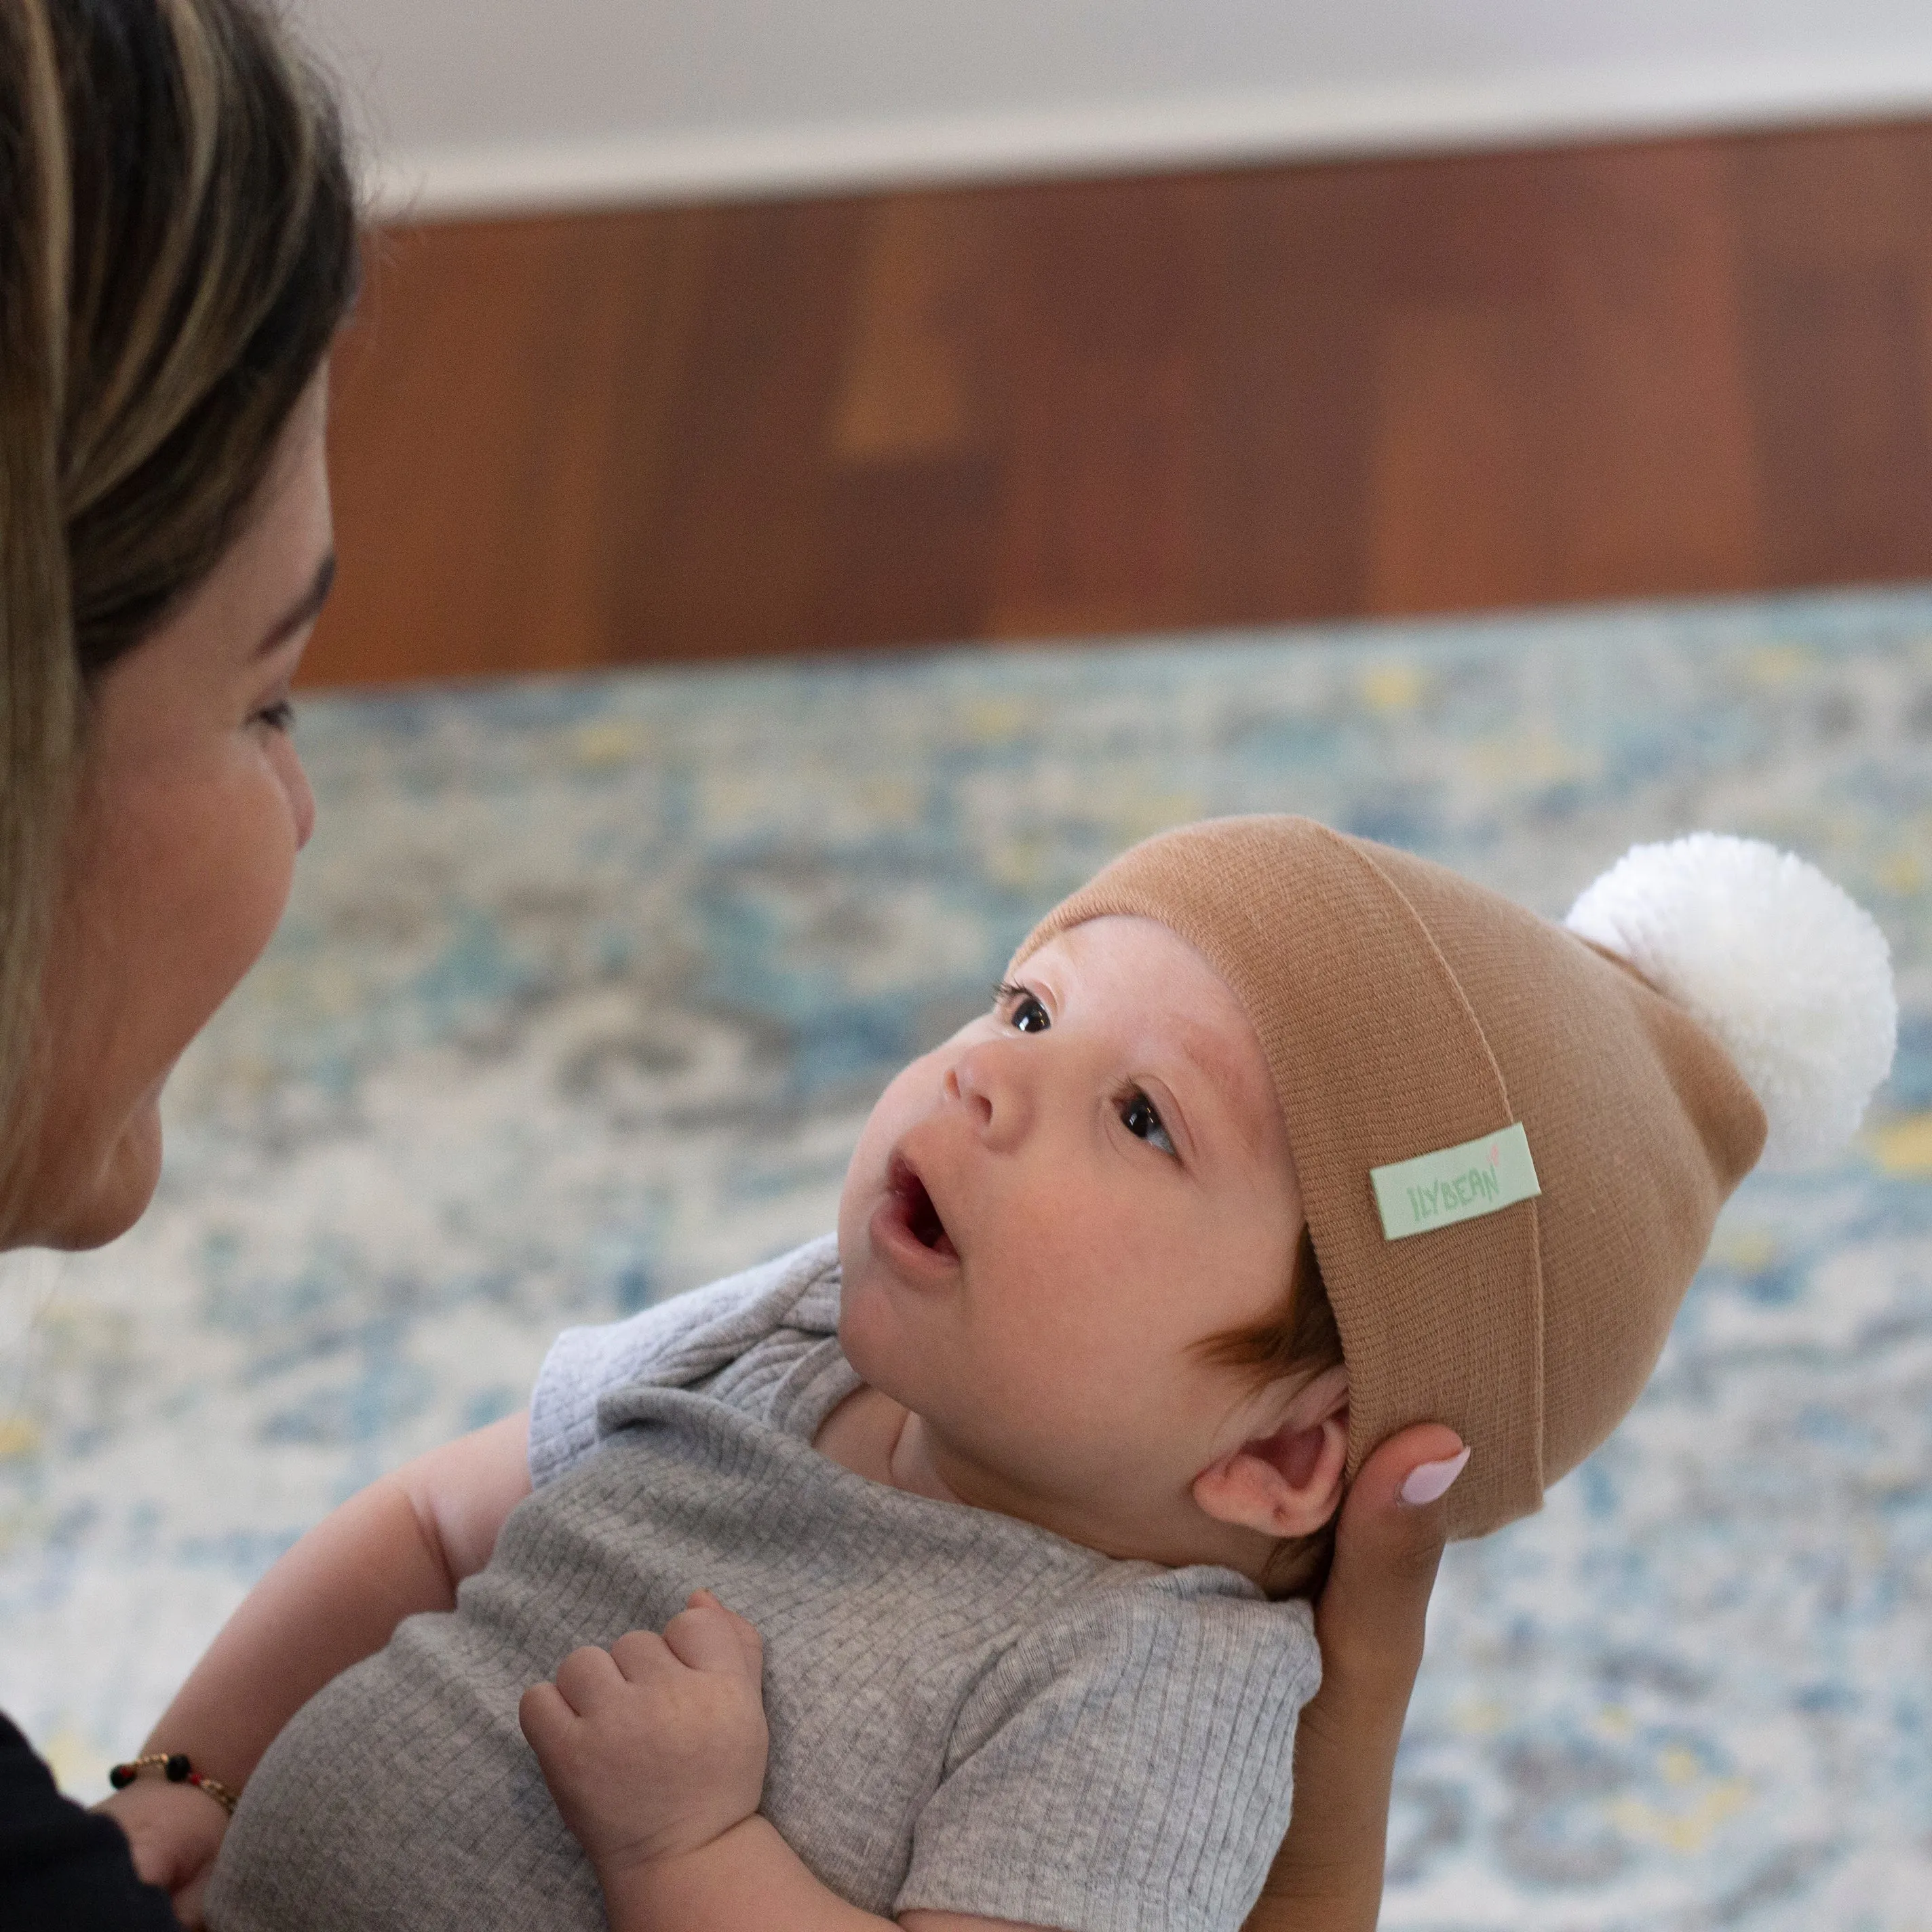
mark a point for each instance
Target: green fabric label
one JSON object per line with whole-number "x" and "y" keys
{"x": 1436, "y": 1190}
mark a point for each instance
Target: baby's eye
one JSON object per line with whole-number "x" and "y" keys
{"x": 1140, "y": 1118}
{"x": 1024, "y": 1013}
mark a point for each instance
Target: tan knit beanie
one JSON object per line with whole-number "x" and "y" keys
{"x": 1409, "y": 1016}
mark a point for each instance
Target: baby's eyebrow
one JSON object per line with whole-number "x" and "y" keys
{"x": 1224, "y": 1078}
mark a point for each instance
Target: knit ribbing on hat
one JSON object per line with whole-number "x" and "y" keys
{"x": 1403, "y": 1010}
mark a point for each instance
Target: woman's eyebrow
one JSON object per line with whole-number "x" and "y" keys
{"x": 305, "y": 610}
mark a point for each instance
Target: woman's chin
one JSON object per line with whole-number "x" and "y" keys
{"x": 106, "y": 1207}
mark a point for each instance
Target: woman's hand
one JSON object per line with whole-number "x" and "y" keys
{"x": 1370, "y": 1617}
{"x": 174, "y": 1831}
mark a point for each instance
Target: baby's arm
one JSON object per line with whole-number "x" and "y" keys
{"x": 751, "y": 1879}
{"x": 401, "y": 1545}
{"x": 654, "y": 1752}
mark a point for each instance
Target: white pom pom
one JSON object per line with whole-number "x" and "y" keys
{"x": 1790, "y": 974}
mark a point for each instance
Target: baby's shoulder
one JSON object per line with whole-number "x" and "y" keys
{"x": 1201, "y": 1625}
{"x": 1193, "y": 1596}
{"x": 1130, "y": 1759}
{"x": 675, "y": 1344}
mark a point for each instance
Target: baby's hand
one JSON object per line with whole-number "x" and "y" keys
{"x": 174, "y": 1831}
{"x": 656, "y": 1746}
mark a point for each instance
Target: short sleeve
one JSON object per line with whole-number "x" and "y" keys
{"x": 1127, "y": 1768}
{"x": 673, "y": 1344}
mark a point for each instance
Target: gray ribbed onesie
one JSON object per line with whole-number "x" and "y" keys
{"x": 967, "y": 1712}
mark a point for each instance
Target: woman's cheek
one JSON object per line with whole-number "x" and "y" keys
{"x": 180, "y": 883}
{"x": 221, "y": 860}
{"x": 267, "y": 826}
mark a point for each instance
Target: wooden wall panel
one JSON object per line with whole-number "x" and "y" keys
{"x": 1073, "y": 408}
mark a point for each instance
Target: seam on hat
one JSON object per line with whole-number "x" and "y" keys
{"x": 1363, "y": 852}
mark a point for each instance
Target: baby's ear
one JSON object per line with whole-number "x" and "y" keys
{"x": 1289, "y": 1482}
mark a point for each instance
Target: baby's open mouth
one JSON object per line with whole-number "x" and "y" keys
{"x": 915, "y": 1205}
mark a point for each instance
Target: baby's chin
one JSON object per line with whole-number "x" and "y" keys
{"x": 871, "y": 1331}
{"x": 861, "y": 1312}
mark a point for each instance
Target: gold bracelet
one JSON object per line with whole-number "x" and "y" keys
{"x": 174, "y": 1764}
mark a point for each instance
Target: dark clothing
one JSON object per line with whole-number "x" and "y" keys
{"x": 63, "y": 1869}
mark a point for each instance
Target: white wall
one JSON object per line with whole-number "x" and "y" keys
{"x": 498, "y": 104}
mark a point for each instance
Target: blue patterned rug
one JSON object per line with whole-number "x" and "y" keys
{"x": 585, "y": 991}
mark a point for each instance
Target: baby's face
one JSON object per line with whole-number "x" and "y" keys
{"x": 1044, "y": 1216}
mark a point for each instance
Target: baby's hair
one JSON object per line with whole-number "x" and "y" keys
{"x": 1299, "y": 1339}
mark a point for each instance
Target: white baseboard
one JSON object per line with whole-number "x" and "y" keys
{"x": 1120, "y": 136}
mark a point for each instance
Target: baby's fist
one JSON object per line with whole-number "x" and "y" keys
{"x": 657, "y": 1745}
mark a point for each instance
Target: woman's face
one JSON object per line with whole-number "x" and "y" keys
{"x": 193, "y": 807}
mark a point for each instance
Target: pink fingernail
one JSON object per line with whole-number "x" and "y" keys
{"x": 1429, "y": 1482}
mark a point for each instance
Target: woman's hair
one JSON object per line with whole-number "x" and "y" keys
{"x": 178, "y": 248}
{"x": 1299, "y": 1339}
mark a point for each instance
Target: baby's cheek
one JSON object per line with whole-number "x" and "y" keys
{"x": 906, "y": 1097}
{"x": 1126, "y": 1298}
{"x": 1065, "y": 1311}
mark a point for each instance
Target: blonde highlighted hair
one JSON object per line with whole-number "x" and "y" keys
{"x": 178, "y": 248}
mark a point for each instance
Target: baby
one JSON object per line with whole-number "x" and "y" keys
{"x": 1276, "y": 1142}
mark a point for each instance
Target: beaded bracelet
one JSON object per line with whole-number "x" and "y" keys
{"x": 178, "y": 1771}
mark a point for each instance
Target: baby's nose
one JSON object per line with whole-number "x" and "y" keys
{"x": 963, "y": 1084}
{"x": 985, "y": 1079}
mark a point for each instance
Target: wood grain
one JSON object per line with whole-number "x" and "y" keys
{"x": 1073, "y": 409}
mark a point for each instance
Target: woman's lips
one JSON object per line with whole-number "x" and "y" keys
{"x": 906, "y": 1224}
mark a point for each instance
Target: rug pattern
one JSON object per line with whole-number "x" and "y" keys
{"x": 586, "y": 989}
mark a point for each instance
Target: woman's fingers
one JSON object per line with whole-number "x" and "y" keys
{"x": 1372, "y": 1613}
{"x": 1370, "y": 1619}
{"x": 173, "y": 1831}
{"x": 189, "y": 1900}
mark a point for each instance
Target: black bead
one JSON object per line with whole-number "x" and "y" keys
{"x": 121, "y": 1777}
{"x": 177, "y": 1769}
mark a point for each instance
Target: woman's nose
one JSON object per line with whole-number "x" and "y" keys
{"x": 301, "y": 804}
